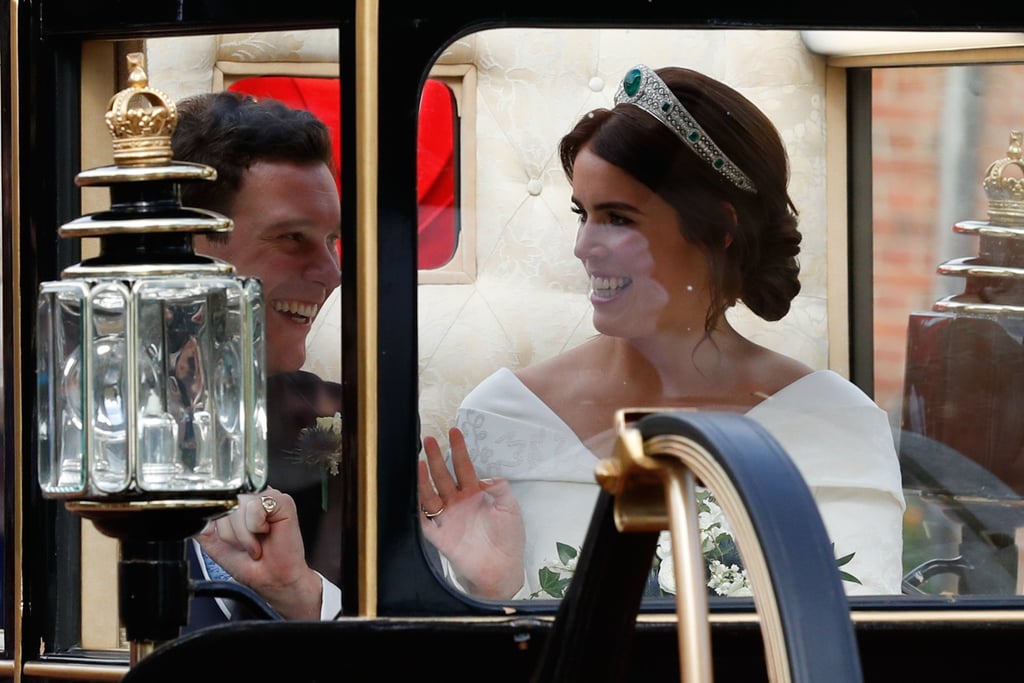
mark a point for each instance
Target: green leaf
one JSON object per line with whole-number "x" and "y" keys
{"x": 847, "y": 576}
{"x": 845, "y": 559}
{"x": 565, "y": 552}
{"x": 551, "y": 582}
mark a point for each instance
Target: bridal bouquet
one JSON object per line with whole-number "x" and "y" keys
{"x": 725, "y": 573}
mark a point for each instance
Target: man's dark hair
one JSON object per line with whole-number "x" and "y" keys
{"x": 231, "y": 131}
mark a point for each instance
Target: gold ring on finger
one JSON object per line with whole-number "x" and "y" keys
{"x": 431, "y": 515}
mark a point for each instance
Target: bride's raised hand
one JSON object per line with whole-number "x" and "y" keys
{"x": 475, "y": 523}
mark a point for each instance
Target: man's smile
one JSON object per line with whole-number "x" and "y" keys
{"x": 300, "y": 311}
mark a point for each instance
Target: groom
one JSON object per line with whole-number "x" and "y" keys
{"x": 276, "y": 181}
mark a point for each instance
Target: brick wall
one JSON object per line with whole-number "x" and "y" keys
{"x": 915, "y": 201}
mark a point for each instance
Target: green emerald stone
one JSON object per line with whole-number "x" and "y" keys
{"x": 666, "y": 107}
{"x": 631, "y": 83}
{"x": 694, "y": 136}
{"x": 718, "y": 163}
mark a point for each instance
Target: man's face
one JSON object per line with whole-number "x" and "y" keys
{"x": 287, "y": 219}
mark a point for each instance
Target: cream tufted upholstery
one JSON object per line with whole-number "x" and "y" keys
{"x": 529, "y": 297}
{"x": 183, "y": 66}
{"x": 529, "y": 300}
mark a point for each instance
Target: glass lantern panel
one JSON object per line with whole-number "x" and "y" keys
{"x": 191, "y": 433}
{"x": 109, "y": 404}
{"x": 257, "y": 435}
{"x": 60, "y": 390}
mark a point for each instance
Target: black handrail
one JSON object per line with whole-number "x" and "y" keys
{"x": 593, "y": 626}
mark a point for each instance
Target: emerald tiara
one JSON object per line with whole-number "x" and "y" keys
{"x": 642, "y": 88}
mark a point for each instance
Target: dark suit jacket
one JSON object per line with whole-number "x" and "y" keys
{"x": 294, "y": 401}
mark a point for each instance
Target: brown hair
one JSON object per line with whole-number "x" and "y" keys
{"x": 759, "y": 266}
{"x": 231, "y": 131}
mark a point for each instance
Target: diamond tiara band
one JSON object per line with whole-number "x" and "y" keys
{"x": 642, "y": 88}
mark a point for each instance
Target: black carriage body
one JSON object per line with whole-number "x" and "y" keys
{"x": 403, "y": 617}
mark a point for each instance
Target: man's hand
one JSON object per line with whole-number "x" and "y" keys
{"x": 260, "y": 545}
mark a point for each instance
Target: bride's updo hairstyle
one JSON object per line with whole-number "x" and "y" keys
{"x": 758, "y": 265}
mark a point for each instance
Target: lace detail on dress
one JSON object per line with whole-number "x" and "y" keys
{"x": 501, "y": 447}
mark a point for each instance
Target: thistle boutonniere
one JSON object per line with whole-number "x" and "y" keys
{"x": 321, "y": 445}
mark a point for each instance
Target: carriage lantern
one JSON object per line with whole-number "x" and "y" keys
{"x": 150, "y": 368}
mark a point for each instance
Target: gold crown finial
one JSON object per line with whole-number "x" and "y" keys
{"x": 1006, "y": 191}
{"x": 141, "y": 119}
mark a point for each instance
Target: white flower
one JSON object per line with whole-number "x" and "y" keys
{"x": 666, "y": 568}
{"x": 711, "y": 521}
{"x": 664, "y": 545}
{"x": 555, "y": 575}
{"x": 729, "y": 581}
{"x": 330, "y": 423}
{"x": 713, "y": 517}
{"x": 708, "y": 536}
{"x": 567, "y": 567}
{"x": 714, "y": 532}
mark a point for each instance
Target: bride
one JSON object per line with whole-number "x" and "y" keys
{"x": 681, "y": 192}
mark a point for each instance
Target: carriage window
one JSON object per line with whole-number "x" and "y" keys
{"x": 952, "y": 463}
{"x": 446, "y": 175}
{"x": 300, "y": 69}
{"x": 436, "y": 185}
{"x": 946, "y": 170}
{"x": 296, "y": 397}
{"x": 534, "y": 299}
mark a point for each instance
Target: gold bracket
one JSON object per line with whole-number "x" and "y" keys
{"x": 654, "y": 484}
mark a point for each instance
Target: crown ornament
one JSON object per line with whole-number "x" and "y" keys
{"x": 643, "y": 88}
{"x": 141, "y": 119}
{"x": 1005, "y": 191}
{"x": 994, "y": 278}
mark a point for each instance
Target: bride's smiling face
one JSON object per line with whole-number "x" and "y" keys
{"x": 644, "y": 276}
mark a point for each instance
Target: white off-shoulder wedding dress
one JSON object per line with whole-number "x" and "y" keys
{"x": 839, "y": 439}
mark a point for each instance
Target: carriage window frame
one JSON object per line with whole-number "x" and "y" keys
{"x": 941, "y": 525}
{"x": 461, "y": 80}
{"x": 840, "y": 68}
{"x": 856, "y": 61}
{"x": 98, "y": 625}
{"x": 836, "y": 293}
{"x": 849, "y": 212}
